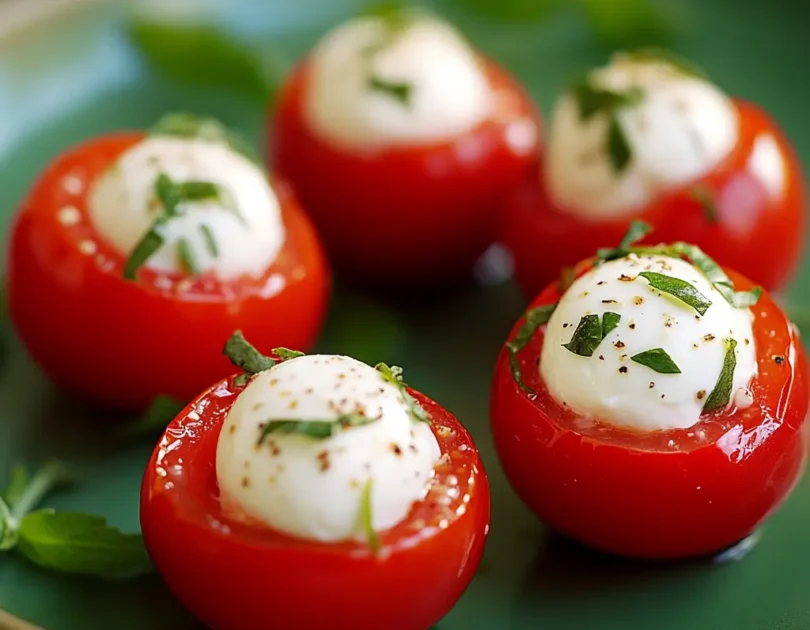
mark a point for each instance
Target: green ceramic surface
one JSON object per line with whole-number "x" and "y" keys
{"x": 73, "y": 76}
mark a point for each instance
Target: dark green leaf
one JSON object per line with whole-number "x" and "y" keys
{"x": 705, "y": 197}
{"x": 534, "y": 318}
{"x": 366, "y": 520}
{"x": 618, "y": 147}
{"x": 204, "y": 55}
{"x": 148, "y": 245}
{"x": 393, "y": 375}
{"x": 658, "y": 360}
{"x": 188, "y": 261}
{"x": 186, "y": 125}
{"x": 81, "y": 544}
{"x": 721, "y": 394}
{"x": 168, "y": 193}
{"x": 197, "y": 191}
{"x": 586, "y": 337}
{"x": 8, "y": 529}
{"x": 20, "y": 478}
{"x": 154, "y": 421}
{"x": 609, "y": 322}
{"x": 593, "y": 100}
{"x": 243, "y": 355}
{"x": 210, "y": 241}
{"x": 636, "y": 232}
{"x": 666, "y": 56}
{"x": 285, "y": 353}
{"x": 677, "y": 288}
{"x": 397, "y": 90}
{"x": 318, "y": 429}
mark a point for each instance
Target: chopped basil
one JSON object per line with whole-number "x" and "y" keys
{"x": 398, "y": 90}
{"x": 366, "y": 520}
{"x": 209, "y": 240}
{"x": 243, "y": 355}
{"x": 188, "y": 261}
{"x": 535, "y": 317}
{"x": 677, "y": 288}
{"x": 590, "y": 332}
{"x": 637, "y": 231}
{"x": 187, "y": 125}
{"x": 393, "y": 374}
{"x": 721, "y": 394}
{"x": 657, "y": 360}
{"x": 285, "y": 353}
{"x": 704, "y": 196}
{"x": 319, "y": 430}
{"x": 618, "y": 146}
{"x": 664, "y": 56}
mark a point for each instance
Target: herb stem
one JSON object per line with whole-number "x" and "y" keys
{"x": 44, "y": 481}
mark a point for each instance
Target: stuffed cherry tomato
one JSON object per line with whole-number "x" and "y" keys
{"x": 648, "y": 138}
{"x": 320, "y": 493}
{"x": 135, "y": 256}
{"x": 400, "y": 140}
{"x": 654, "y": 409}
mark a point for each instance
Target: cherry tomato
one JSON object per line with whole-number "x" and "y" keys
{"x": 238, "y": 576}
{"x": 666, "y": 494}
{"x": 123, "y": 343}
{"x": 748, "y": 229}
{"x": 411, "y": 216}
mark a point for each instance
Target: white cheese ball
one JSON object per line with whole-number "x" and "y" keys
{"x": 450, "y": 93}
{"x": 312, "y": 488}
{"x": 682, "y": 128}
{"x": 609, "y": 386}
{"x": 122, "y": 206}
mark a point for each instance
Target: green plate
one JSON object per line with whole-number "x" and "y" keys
{"x": 69, "y": 74}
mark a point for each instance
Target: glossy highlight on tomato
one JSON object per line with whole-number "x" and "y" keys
{"x": 666, "y": 494}
{"x": 238, "y": 576}
{"x": 410, "y": 216}
{"x": 122, "y": 343}
{"x": 752, "y": 229}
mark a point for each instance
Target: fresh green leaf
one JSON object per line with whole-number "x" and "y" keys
{"x": 366, "y": 520}
{"x": 204, "y": 55}
{"x": 679, "y": 289}
{"x": 186, "y": 125}
{"x": 609, "y": 322}
{"x": 593, "y": 100}
{"x": 154, "y": 421}
{"x": 318, "y": 429}
{"x": 534, "y": 318}
{"x": 188, "y": 261}
{"x": 8, "y": 528}
{"x": 623, "y": 24}
{"x": 20, "y": 478}
{"x": 81, "y": 544}
{"x": 704, "y": 196}
{"x": 658, "y": 360}
{"x": 619, "y": 150}
{"x": 285, "y": 353}
{"x": 197, "y": 191}
{"x": 398, "y": 90}
{"x": 243, "y": 355}
{"x": 146, "y": 247}
{"x": 636, "y": 232}
{"x": 48, "y": 478}
{"x": 663, "y": 55}
{"x": 586, "y": 337}
{"x": 168, "y": 193}
{"x": 393, "y": 375}
{"x": 209, "y": 240}
{"x": 721, "y": 394}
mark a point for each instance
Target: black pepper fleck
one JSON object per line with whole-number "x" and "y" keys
{"x": 701, "y": 394}
{"x": 623, "y": 369}
{"x": 619, "y": 344}
{"x": 779, "y": 359}
{"x": 652, "y": 384}
{"x": 625, "y": 278}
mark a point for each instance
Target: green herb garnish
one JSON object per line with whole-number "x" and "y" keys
{"x": 188, "y": 261}
{"x": 704, "y": 196}
{"x": 318, "y": 429}
{"x": 658, "y": 360}
{"x": 185, "y": 125}
{"x": 590, "y": 332}
{"x": 396, "y": 18}
{"x": 637, "y": 231}
{"x": 286, "y": 354}
{"x": 665, "y": 56}
{"x": 721, "y": 394}
{"x": 209, "y": 240}
{"x": 397, "y": 90}
{"x": 677, "y": 288}
{"x": 618, "y": 146}
{"x": 366, "y": 520}
{"x": 535, "y": 318}
{"x": 242, "y": 354}
{"x": 393, "y": 374}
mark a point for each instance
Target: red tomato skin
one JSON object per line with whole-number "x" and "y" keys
{"x": 407, "y": 216}
{"x": 238, "y": 576}
{"x": 635, "y": 495}
{"x": 121, "y": 343}
{"x": 760, "y": 236}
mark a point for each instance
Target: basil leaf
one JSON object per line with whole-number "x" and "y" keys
{"x": 662, "y": 55}
{"x": 188, "y": 261}
{"x": 81, "y": 544}
{"x": 677, "y": 288}
{"x": 535, "y": 318}
{"x": 209, "y": 240}
{"x": 593, "y": 100}
{"x": 619, "y": 150}
{"x": 197, "y": 191}
{"x": 742, "y": 299}
{"x": 609, "y": 322}
{"x": 18, "y": 482}
{"x": 366, "y": 520}
{"x": 285, "y": 353}
{"x": 586, "y": 337}
{"x": 148, "y": 245}
{"x": 635, "y": 232}
{"x": 704, "y": 196}
{"x": 8, "y": 530}
{"x": 397, "y": 90}
{"x": 657, "y": 360}
{"x": 393, "y": 375}
{"x": 314, "y": 428}
{"x": 204, "y": 55}
{"x": 154, "y": 420}
{"x": 186, "y": 125}
{"x": 243, "y": 355}
{"x": 721, "y": 394}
